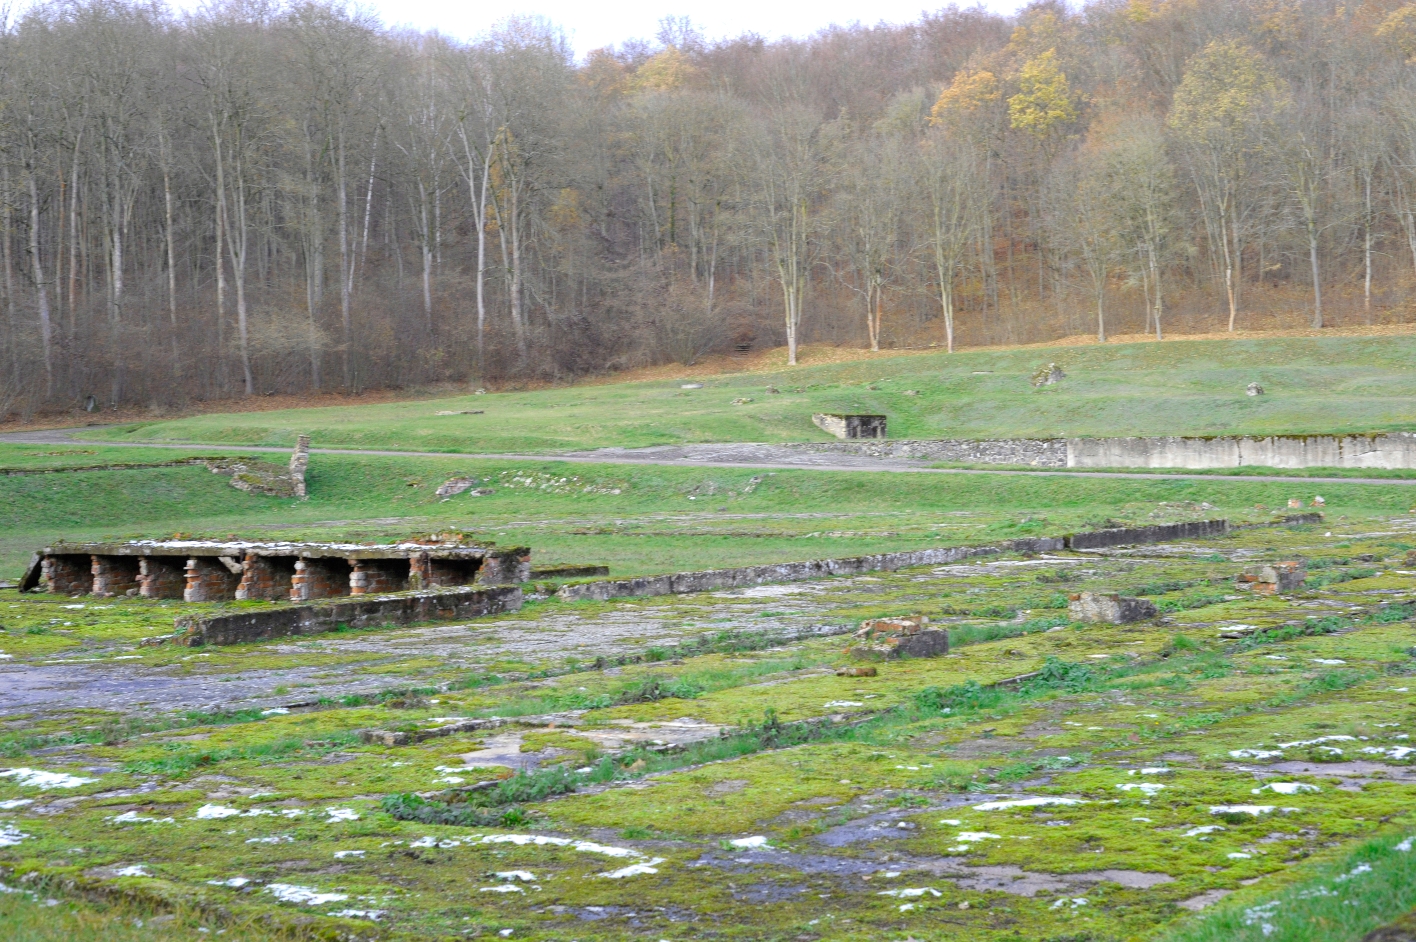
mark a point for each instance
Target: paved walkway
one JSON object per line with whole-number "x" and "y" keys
{"x": 727, "y": 455}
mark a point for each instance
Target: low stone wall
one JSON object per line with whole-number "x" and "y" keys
{"x": 1128, "y": 536}
{"x": 1394, "y": 450}
{"x": 390, "y": 610}
{"x": 713, "y": 579}
{"x": 1033, "y": 452}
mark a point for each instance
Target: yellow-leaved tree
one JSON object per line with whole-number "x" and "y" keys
{"x": 1045, "y": 103}
{"x": 1220, "y": 113}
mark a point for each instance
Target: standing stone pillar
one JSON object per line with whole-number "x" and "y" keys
{"x": 298, "y": 463}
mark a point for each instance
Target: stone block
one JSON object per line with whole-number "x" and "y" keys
{"x": 891, "y": 638}
{"x": 1048, "y": 375}
{"x": 856, "y": 672}
{"x": 299, "y": 463}
{"x": 1109, "y": 608}
{"x": 850, "y": 426}
{"x": 1274, "y": 578}
{"x": 505, "y": 567}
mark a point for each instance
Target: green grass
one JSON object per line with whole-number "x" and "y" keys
{"x": 1106, "y": 701}
{"x": 662, "y": 519}
{"x": 1343, "y": 899}
{"x": 1337, "y": 384}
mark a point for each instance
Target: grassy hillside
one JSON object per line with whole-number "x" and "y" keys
{"x": 1314, "y": 385}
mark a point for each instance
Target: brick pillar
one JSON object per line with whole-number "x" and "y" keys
{"x": 505, "y": 567}
{"x": 161, "y": 577}
{"x": 319, "y": 579}
{"x": 371, "y": 576}
{"x": 209, "y": 580}
{"x": 68, "y": 575}
{"x": 266, "y": 577}
{"x": 114, "y": 575}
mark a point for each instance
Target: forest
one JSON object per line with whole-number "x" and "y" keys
{"x": 262, "y": 197}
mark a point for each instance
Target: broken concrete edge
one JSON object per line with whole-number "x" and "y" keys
{"x": 397, "y": 737}
{"x": 33, "y": 573}
{"x": 570, "y": 572}
{"x": 715, "y": 579}
{"x": 305, "y": 550}
{"x": 355, "y": 612}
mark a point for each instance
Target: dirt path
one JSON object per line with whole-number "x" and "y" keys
{"x": 726, "y": 455}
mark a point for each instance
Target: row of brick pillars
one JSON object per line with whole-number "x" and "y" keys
{"x": 274, "y": 578}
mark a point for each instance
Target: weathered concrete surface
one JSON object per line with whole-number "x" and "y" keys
{"x": 1390, "y": 450}
{"x": 391, "y": 610}
{"x": 1109, "y": 609}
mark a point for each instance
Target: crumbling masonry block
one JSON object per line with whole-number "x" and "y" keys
{"x": 505, "y": 567}
{"x": 1109, "y": 608}
{"x": 891, "y": 638}
{"x": 1274, "y": 579}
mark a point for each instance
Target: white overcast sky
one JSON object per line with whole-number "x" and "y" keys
{"x": 590, "y": 25}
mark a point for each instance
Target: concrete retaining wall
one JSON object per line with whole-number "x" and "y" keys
{"x": 1128, "y": 536}
{"x": 1392, "y": 450}
{"x": 391, "y": 610}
